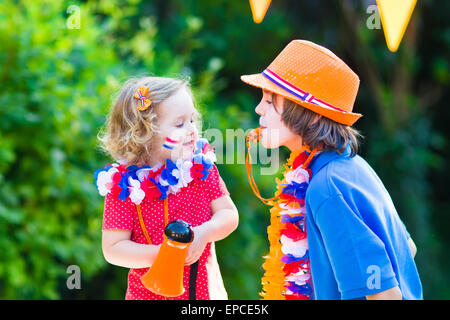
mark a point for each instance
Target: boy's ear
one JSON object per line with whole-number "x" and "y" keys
{"x": 316, "y": 118}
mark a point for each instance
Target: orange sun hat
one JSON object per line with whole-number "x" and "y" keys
{"x": 313, "y": 77}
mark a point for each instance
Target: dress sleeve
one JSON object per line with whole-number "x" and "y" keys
{"x": 215, "y": 185}
{"x": 117, "y": 214}
{"x": 359, "y": 259}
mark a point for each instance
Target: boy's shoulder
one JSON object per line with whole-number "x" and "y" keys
{"x": 341, "y": 176}
{"x": 338, "y": 170}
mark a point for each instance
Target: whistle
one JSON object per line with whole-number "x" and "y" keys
{"x": 254, "y": 135}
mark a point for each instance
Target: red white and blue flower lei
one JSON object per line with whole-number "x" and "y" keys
{"x": 136, "y": 182}
{"x": 294, "y": 242}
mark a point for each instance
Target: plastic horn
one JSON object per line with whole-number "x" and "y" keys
{"x": 165, "y": 276}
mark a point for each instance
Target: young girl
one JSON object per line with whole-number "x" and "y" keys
{"x": 164, "y": 172}
{"x": 334, "y": 233}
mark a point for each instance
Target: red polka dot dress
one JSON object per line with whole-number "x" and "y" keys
{"x": 191, "y": 204}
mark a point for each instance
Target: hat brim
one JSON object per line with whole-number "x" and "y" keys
{"x": 259, "y": 81}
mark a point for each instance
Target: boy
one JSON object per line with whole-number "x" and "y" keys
{"x": 358, "y": 247}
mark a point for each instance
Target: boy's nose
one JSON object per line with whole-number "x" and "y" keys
{"x": 259, "y": 109}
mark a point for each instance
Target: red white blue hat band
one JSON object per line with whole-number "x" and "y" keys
{"x": 299, "y": 93}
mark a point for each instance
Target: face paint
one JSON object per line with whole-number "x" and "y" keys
{"x": 169, "y": 143}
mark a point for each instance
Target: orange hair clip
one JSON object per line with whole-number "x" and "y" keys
{"x": 144, "y": 102}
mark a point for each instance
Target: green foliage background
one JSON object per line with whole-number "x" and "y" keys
{"x": 58, "y": 83}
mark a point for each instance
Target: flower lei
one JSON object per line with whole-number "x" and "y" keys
{"x": 287, "y": 264}
{"x": 287, "y": 270}
{"x": 137, "y": 183}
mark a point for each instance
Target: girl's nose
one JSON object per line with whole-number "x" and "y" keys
{"x": 192, "y": 129}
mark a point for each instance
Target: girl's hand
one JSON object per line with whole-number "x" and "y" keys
{"x": 224, "y": 220}
{"x": 197, "y": 246}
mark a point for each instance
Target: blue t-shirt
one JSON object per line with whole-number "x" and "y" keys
{"x": 358, "y": 245}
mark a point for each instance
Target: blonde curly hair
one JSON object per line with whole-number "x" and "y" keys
{"x": 128, "y": 132}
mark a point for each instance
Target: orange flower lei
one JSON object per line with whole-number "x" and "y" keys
{"x": 275, "y": 281}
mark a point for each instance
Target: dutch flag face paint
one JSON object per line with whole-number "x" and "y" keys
{"x": 170, "y": 143}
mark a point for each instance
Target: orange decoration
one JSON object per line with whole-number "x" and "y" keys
{"x": 259, "y": 9}
{"x": 144, "y": 102}
{"x": 395, "y": 16}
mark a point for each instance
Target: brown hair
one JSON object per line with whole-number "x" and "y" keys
{"x": 324, "y": 133}
{"x": 128, "y": 132}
